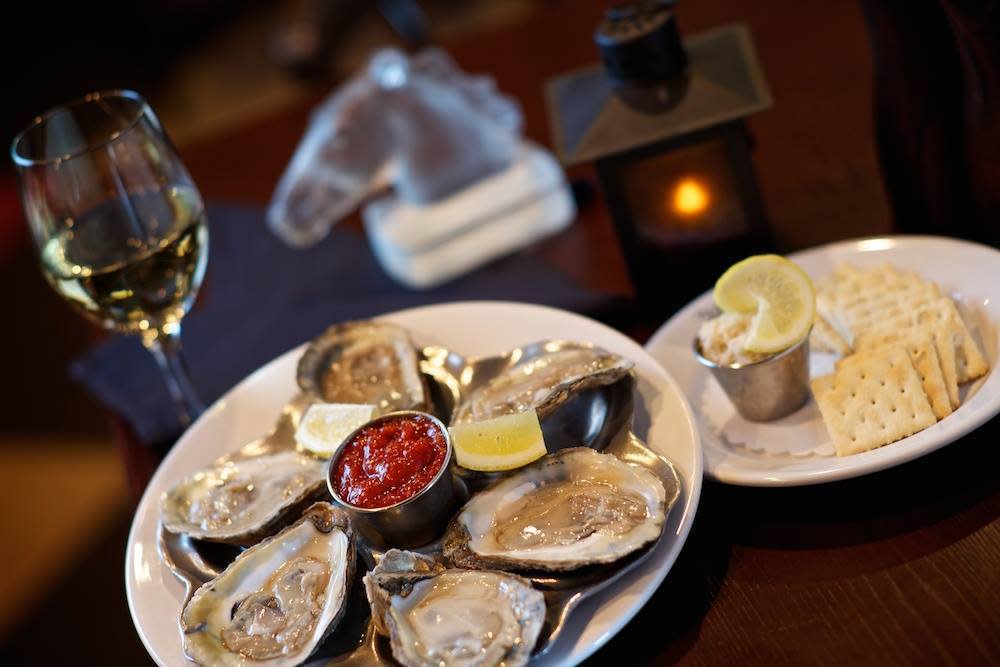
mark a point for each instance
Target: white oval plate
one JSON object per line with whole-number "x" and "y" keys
{"x": 797, "y": 450}
{"x": 663, "y": 419}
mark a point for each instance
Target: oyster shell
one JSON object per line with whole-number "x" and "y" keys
{"x": 569, "y": 509}
{"x": 435, "y": 616}
{"x": 279, "y": 599}
{"x": 239, "y": 501}
{"x": 364, "y": 362}
{"x": 543, "y": 382}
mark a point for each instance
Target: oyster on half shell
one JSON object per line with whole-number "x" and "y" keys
{"x": 569, "y": 509}
{"x": 543, "y": 382}
{"x": 436, "y": 616}
{"x": 239, "y": 501}
{"x": 278, "y": 600}
{"x": 366, "y": 362}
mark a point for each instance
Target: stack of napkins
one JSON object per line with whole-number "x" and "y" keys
{"x": 422, "y": 246}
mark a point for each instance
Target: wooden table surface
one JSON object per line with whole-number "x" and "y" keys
{"x": 901, "y": 567}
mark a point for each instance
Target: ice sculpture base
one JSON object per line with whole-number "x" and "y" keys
{"x": 424, "y": 246}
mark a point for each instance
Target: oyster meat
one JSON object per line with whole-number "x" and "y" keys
{"x": 435, "y": 616}
{"x": 240, "y": 501}
{"x": 543, "y": 382}
{"x": 279, "y": 599}
{"x": 569, "y": 509}
{"x": 367, "y": 362}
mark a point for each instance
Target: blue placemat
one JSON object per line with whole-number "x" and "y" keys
{"x": 261, "y": 298}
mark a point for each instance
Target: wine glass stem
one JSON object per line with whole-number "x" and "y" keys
{"x": 166, "y": 348}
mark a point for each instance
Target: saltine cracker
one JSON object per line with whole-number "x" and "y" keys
{"x": 872, "y": 399}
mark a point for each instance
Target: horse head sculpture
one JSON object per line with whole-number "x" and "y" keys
{"x": 419, "y": 125}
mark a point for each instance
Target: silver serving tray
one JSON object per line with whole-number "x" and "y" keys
{"x": 600, "y": 418}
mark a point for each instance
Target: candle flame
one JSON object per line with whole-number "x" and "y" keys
{"x": 690, "y": 197}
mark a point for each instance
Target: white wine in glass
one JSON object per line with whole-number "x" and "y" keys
{"x": 118, "y": 223}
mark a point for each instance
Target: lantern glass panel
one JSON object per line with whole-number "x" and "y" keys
{"x": 683, "y": 196}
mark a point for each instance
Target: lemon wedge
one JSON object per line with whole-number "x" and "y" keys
{"x": 502, "y": 443}
{"x": 777, "y": 292}
{"x": 325, "y": 425}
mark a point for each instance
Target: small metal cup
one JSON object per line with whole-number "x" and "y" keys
{"x": 767, "y": 389}
{"x": 418, "y": 520}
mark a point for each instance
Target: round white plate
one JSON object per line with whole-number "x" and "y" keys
{"x": 663, "y": 419}
{"x": 797, "y": 450}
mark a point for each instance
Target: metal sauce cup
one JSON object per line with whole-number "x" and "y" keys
{"x": 767, "y": 389}
{"x": 418, "y": 520}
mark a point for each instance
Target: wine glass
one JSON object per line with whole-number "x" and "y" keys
{"x": 118, "y": 223}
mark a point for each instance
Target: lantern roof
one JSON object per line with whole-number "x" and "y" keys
{"x": 592, "y": 119}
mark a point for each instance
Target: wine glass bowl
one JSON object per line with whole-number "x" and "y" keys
{"x": 118, "y": 224}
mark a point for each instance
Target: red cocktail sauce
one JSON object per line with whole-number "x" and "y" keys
{"x": 389, "y": 461}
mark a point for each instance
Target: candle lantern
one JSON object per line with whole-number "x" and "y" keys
{"x": 663, "y": 121}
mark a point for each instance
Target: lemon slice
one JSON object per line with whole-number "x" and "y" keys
{"x": 502, "y": 443}
{"x": 777, "y": 292}
{"x": 325, "y": 425}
